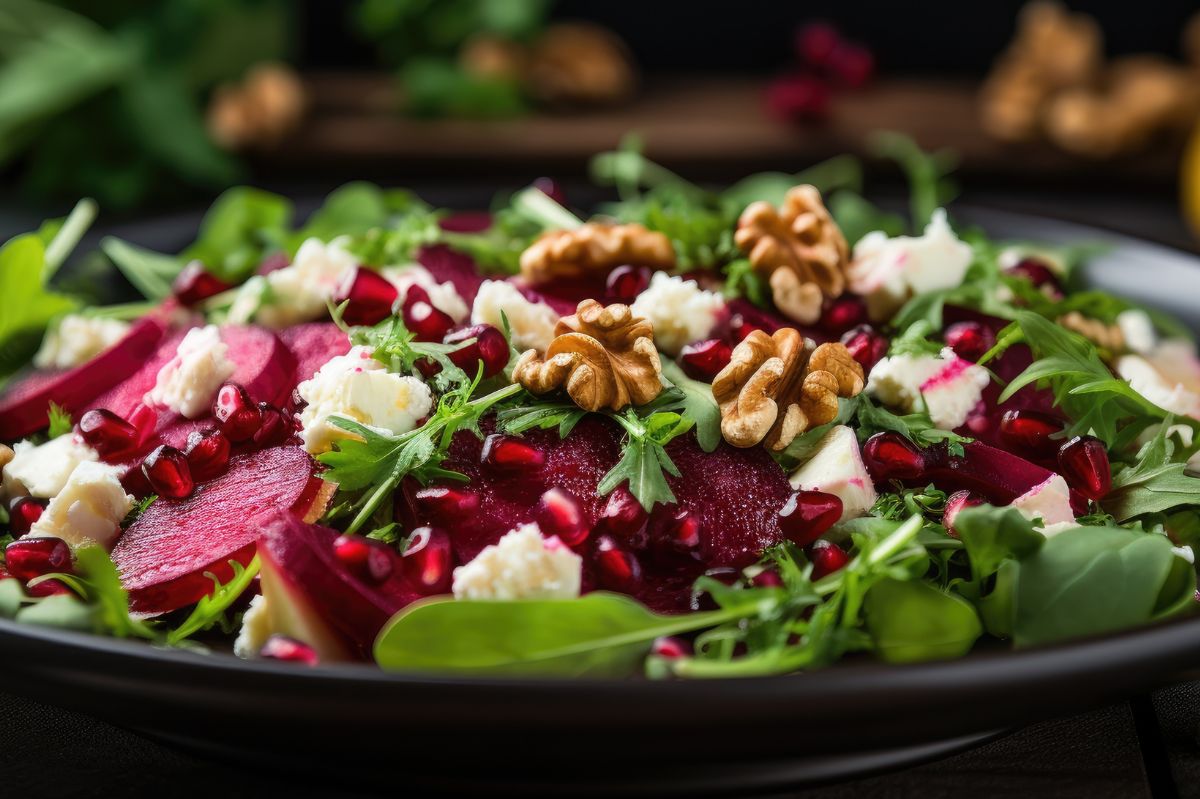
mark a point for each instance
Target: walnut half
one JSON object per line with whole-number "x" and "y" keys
{"x": 603, "y": 356}
{"x": 594, "y": 248}
{"x": 777, "y": 386}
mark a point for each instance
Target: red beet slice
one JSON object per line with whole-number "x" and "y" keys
{"x": 162, "y": 557}
{"x": 466, "y": 222}
{"x": 447, "y": 265}
{"x": 312, "y": 345}
{"x": 987, "y": 471}
{"x": 24, "y": 405}
{"x": 301, "y": 570}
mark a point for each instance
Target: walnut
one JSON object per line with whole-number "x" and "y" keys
{"x": 603, "y": 355}
{"x": 777, "y": 386}
{"x": 594, "y": 248}
{"x": 6, "y": 456}
{"x": 257, "y": 113}
{"x": 574, "y": 63}
{"x": 798, "y": 248}
{"x": 1108, "y": 338}
{"x": 492, "y": 57}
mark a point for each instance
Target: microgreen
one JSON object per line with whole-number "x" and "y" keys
{"x": 530, "y": 412}
{"x": 397, "y": 348}
{"x": 210, "y": 610}
{"x": 60, "y": 421}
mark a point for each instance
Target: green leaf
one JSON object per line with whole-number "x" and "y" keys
{"x": 106, "y": 594}
{"x": 696, "y": 404}
{"x": 29, "y": 305}
{"x": 12, "y": 597}
{"x": 912, "y": 621}
{"x": 856, "y": 216}
{"x": 211, "y": 608}
{"x": 644, "y": 462}
{"x": 596, "y": 635}
{"x": 1154, "y": 483}
{"x": 993, "y": 535}
{"x": 63, "y": 611}
{"x": 532, "y": 412}
{"x": 151, "y": 273}
{"x": 239, "y": 229}
{"x": 929, "y": 185}
{"x": 60, "y": 421}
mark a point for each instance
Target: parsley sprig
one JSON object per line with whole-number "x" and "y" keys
{"x": 644, "y": 460}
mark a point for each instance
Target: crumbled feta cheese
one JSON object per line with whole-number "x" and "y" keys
{"x": 356, "y": 386}
{"x": 1164, "y": 387}
{"x": 188, "y": 383}
{"x": 837, "y": 468}
{"x": 252, "y": 295}
{"x": 1186, "y": 553}
{"x": 522, "y": 565}
{"x": 76, "y": 339}
{"x": 680, "y": 310}
{"x": 532, "y": 323}
{"x": 42, "y": 471}
{"x": 89, "y": 509}
{"x": 889, "y": 271}
{"x": 442, "y": 296}
{"x": 1049, "y": 501}
{"x": 949, "y": 386}
{"x": 297, "y": 292}
{"x": 255, "y": 630}
{"x": 1138, "y": 331}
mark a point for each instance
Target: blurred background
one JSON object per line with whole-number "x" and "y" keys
{"x": 1081, "y": 110}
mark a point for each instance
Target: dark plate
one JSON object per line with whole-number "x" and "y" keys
{"x": 600, "y": 738}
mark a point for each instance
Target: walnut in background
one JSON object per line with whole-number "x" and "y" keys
{"x": 258, "y": 112}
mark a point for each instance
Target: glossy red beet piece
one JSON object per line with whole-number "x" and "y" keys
{"x": 866, "y": 345}
{"x": 955, "y": 503}
{"x": 1084, "y": 464}
{"x": 275, "y": 426}
{"x": 369, "y": 297}
{"x": 670, "y": 647}
{"x": 508, "y": 452}
{"x": 704, "y": 360}
{"x": 559, "y": 513}
{"x": 826, "y": 558}
{"x": 489, "y": 346}
{"x": 166, "y": 469}
{"x": 843, "y": 314}
{"x": 22, "y": 513}
{"x": 426, "y": 322}
{"x": 891, "y": 456}
{"x": 33, "y": 557}
{"x": 194, "y": 284}
{"x": 369, "y": 560}
{"x": 1040, "y": 275}
{"x": 313, "y": 345}
{"x": 626, "y": 282}
{"x": 273, "y": 262}
{"x": 617, "y": 569}
{"x": 428, "y": 561}
{"x": 280, "y": 647}
{"x": 110, "y": 435}
{"x": 1030, "y": 432}
{"x": 807, "y": 515}
{"x": 969, "y": 340}
{"x": 207, "y": 454}
{"x": 237, "y": 414}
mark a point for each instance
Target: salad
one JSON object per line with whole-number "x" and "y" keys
{"x": 695, "y": 434}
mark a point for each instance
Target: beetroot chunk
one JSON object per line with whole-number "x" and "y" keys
{"x": 447, "y": 265}
{"x": 313, "y": 345}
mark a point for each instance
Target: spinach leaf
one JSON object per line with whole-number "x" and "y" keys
{"x": 1154, "y": 483}
{"x": 150, "y": 272}
{"x": 697, "y": 404}
{"x": 994, "y": 535}
{"x": 912, "y": 621}
{"x": 241, "y": 227}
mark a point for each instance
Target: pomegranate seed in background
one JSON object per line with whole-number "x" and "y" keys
{"x": 108, "y": 434}
{"x": 826, "y": 558}
{"x": 670, "y": 647}
{"x": 969, "y": 340}
{"x": 275, "y": 426}
{"x": 1040, "y": 275}
{"x": 550, "y": 188}
{"x": 447, "y": 506}
{"x": 866, "y": 345}
{"x": 369, "y": 560}
{"x": 891, "y": 456}
{"x": 33, "y": 557}
{"x": 957, "y": 502}
{"x": 798, "y": 98}
{"x": 506, "y": 452}
{"x": 428, "y": 561}
{"x": 623, "y": 516}
{"x": 166, "y": 469}
{"x": 280, "y": 647}
{"x": 684, "y": 532}
{"x": 370, "y": 297}
{"x": 767, "y": 578}
{"x": 625, "y": 283}
{"x": 426, "y": 322}
{"x": 808, "y": 515}
{"x": 704, "y": 360}
{"x": 851, "y": 65}
{"x": 22, "y": 513}
{"x": 194, "y": 284}
{"x": 489, "y": 346}
{"x": 843, "y": 314}
{"x": 816, "y": 42}
{"x": 1029, "y": 432}
{"x": 207, "y": 454}
{"x": 558, "y": 513}
{"x": 144, "y": 420}
{"x": 616, "y": 568}
{"x": 1084, "y": 464}
{"x": 237, "y": 414}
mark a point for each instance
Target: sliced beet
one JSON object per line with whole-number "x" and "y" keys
{"x": 447, "y": 265}
{"x": 984, "y": 470}
{"x": 265, "y": 365}
{"x": 124, "y": 397}
{"x": 313, "y": 345}
{"x": 162, "y": 557}
{"x": 24, "y": 405}
{"x": 301, "y": 572}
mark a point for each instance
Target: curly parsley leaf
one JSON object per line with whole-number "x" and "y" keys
{"x": 1154, "y": 483}
{"x": 644, "y": 461}
{"x": 60, "y": 421}
{"x": 397, "y": 348}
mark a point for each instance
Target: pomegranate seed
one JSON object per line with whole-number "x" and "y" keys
{"x": 704, "y": 360}
{"x": 616, "y": 569}
{"x": 22, "y": 513}
{"x": 957, "y": 502}
{"x": 426, "y": 322}
{"x": 550, "y": 188}
{"x": 45, "y": 588}
{"x": 237, "y": 414}
{"x": 767, "y": 578}
{"x": 1083, "y": 462}
{"x": 740, "y": 327}
{"x": 280, "y": 647}
{"x": 684, "y": 531}
{"x": 623, "y": 516}
{"x": 195, "y": 284}
{"x": 275, "y": 428}
{"x": 851, "y": 65}
{"x": 207, "y": 454}
{"x": 826, "y": 558}
{"x": 370, "y": 297}
{"x": 449, "y": 505}
{"x": 798, "y": 98}
{"x": 969, "y": 340}
{"x": 866, "y": 345}
{"x": 506, "y": 452}
{"x": 1040, "y": 275}
{"x": 33, "y": 557}
{"x": 891, "y": 456}
{"x": 558, "y": 513}
{"x": 370, "y": 561}
{"x": 670, "y": 647}
{"x": 626, "y": 282}
{"x": 807, "y": 515}
{"x": 108, "y": 434}
{"x": 144, "y": 420}
{"x": 489, "y": 346}
{"x": 816, "y": 42}
{"x": 843, "y": 314}
{"x": 428, "y": 561}
{"x": 1030, "y": 432}
{"x": 166, "y": 469}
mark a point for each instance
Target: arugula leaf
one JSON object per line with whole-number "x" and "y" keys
{"x": 357, "y": 207}
{"x": 696, "y": 403}
{"x": 644, "y": 459}
{"x": 151, "y": 273}
{"x": 929, "y": 185}
{"x": 929, "y": 502}
{"x": 396, "y": 347}
{"x": 60, "y": 421}
{"x": 397, "y": 242}
{"x": 105, "y": 603}
{"x": 242, "y": 226}
{"x": 916, "y": 427}
{"x": 210, "y": 610}
{"x": 857, "y": 216}
{"x": 29, "y": 304}
{"x": 531, "y": 412}
{"x": 1154, "y": 483}
{"x": 913, "y": 621}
